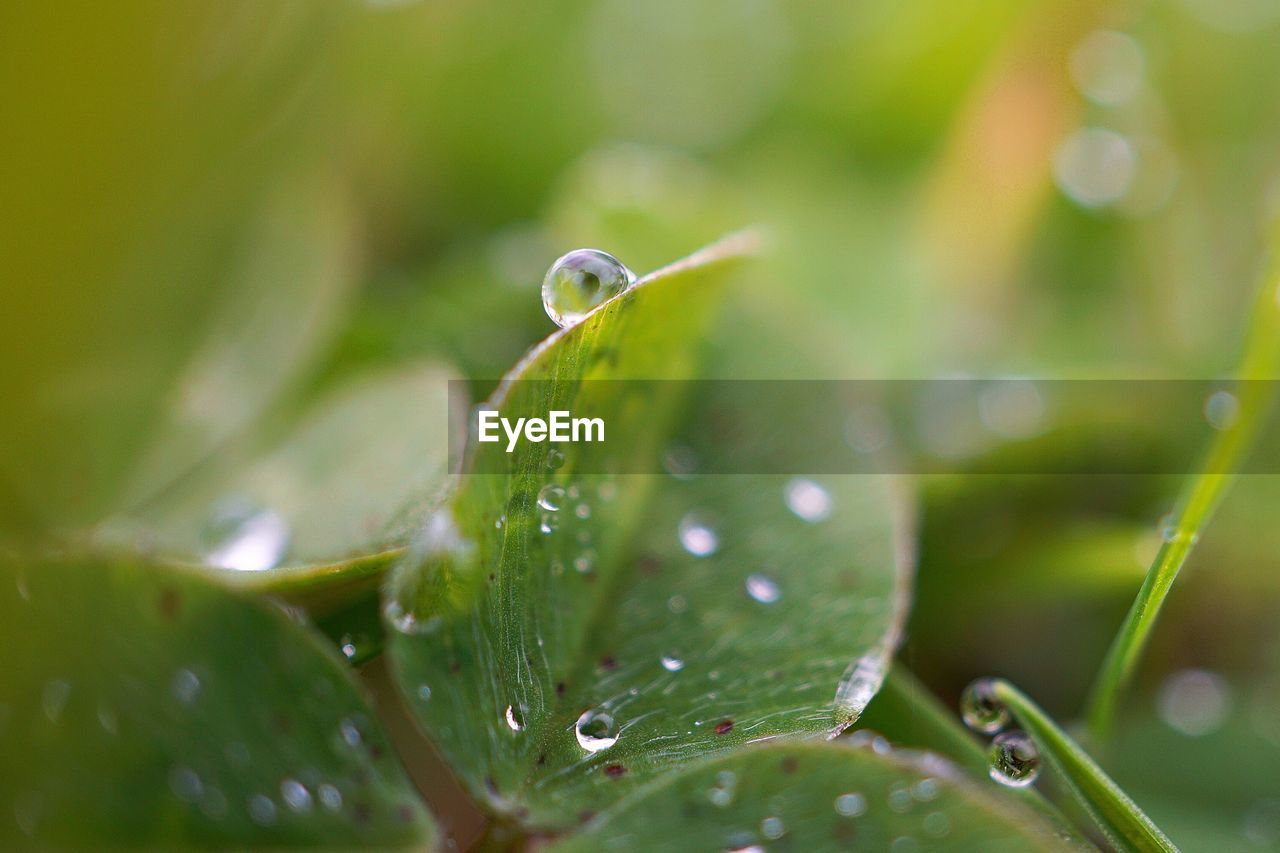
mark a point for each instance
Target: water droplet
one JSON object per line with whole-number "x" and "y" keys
{"x": 1221, "y": 409}
{"x": 348, "y": 647}
{"x": 185, "y": 784}
{"x": 697, "y": 536}
{"x": 904, "y": 844}
{"x": 1261, "y": 825}
{"x": 582, "y": 511}
{"x": 671, "y": 663}
{"x": 549, "y": 523}
{"x": 185, "y": 686}
{"x": 925, "y": 790}
{"x": 54, "y": 698}
{"x": 772, "y": 828}
{"x": 295, "y": 795}
{"x": 980, "y": 709}
{"x": 721, "y": 794}
{"x": 900, "y": 798}
{"x": 937, "y": 824}
{"x": 581, "y": 280}
{"x": 330, "y": 797}
{"x": 424, "y": 692}
{"x": 1015, "y": 761}
{"x": 807, "y": 500}
{"x": 551, "y": 497}
{"x": 214, "y": 804}
{"x": 680, "y": 462}
{"x": 1094, "y": 166}
{"x": 585, "y": 561}
{"x": 851, "y": 804}
{"x": 596, "y": 730}
{"x": 1170, "y": 533}
{"x": 515, "y": 719}
{"x": 763, "y": 588}
{"x": 245, "y": 537}
{"x": 26, "y": 811}
{"x": 407, "y": 604}
{"x": 351, "y": 733}
{"x": 677, "y": 604}
{"x": 555, "y": 459}
{"x": 1107, "y": 67}
{"x": 608, "y": 490}
{"x": 108, "y": 720}
{"x": 1195, "y": 702}
{"x": 262, "y": 810}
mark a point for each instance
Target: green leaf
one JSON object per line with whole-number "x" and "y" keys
{"x": 524, "y": 653}
{"x": 280, "y": 303}
{"x": 362, "y": 465}
{"x": 337, "y": 494}
{"x": 146, "y": 230}
{"x": 817, "y": 797}
{"x": 149, "y": 707}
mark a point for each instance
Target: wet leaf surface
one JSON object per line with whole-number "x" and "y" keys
{"x": 816, "y": 797}
{"x": 562, "y": 658}
{"x": 162, "y": 710}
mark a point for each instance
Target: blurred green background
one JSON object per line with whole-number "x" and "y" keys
{"x": 215, "y": 212}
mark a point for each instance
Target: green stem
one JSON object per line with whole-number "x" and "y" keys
{"x": 908, "y": 713}
{"x": 1118, "y": 816}
{"x": 1200, "y": 497}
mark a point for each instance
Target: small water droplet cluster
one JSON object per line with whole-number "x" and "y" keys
{"x": 580, "y": 281}
{"x": 1014, "y": 758}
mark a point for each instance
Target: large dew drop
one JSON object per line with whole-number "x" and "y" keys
{"x": 581, "y": 280}
{"x": 1015, "y": 761}
{"x": 596, "y": 730}
{"x": 980, "y": 709}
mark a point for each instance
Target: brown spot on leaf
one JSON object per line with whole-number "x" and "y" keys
{"x": 724, "y": 727}
{"x": 170, "y": 603}
{"x": 613, "y": 771}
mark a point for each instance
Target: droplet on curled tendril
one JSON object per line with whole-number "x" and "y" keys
{"x": 1015, "y": 760}
{"x": 581, "y": 280}
{"x": 980, "y": 709}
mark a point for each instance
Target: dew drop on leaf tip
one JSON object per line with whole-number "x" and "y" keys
{"x": 581, "y": 280}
